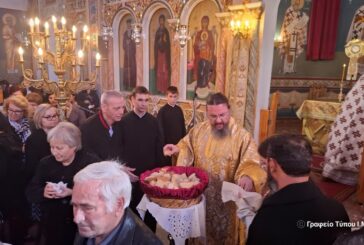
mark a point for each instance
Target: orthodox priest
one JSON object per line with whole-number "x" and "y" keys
{"x": 228, "y": 153}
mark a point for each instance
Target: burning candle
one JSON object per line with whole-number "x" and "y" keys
{"x": 80, "y": 55}
{"x": 21, "y": 52}
{"x": 85, "y": 30}
{"x": 63, "y": 22}
{"x": 98, "y": 58}
{"x": 36, "y": 22}
{"x": 31, "y": 24}
{"x": 54, "y": 21}
{"x": 46, "y": 28}
{"x": 40, "y": 54}
{"x": 74, "y": 30}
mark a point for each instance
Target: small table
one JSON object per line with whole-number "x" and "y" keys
{"x": 181, "y": 223}
{"x": 317, "y": 119}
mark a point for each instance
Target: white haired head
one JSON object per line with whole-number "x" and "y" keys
{"x": 114, "y": 181}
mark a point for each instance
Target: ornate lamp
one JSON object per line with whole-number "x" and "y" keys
{"x": 136, "y": 34}
{"x": 243, "y": 18}
{"x": 106, "y": 33}
{"x": 66, "y": 58}
{"x": 181, "y": 32}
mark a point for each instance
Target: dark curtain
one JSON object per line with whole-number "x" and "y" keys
{"x": 321, "y": 40}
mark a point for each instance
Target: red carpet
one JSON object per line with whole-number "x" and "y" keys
{"x": 329, "y": 187}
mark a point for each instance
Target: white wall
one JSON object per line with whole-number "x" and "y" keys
{"x": 14, "y": 4}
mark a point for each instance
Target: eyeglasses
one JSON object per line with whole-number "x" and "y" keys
{"x": 215, "y": 117}
{"x": 15, "y": 111}
{"x": 51, "y": 117}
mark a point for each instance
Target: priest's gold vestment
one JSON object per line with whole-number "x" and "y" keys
{"x": 225, "y": 159}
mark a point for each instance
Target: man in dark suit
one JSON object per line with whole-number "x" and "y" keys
{"x": 297, "y": 213}
{"x": 99, "y": 133}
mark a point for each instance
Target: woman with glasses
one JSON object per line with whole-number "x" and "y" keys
{"x": 52, "y": 183}
{"x": 16, "y": 109}
{"x": 16, "y": 126}
{"x": 45, "y": 118}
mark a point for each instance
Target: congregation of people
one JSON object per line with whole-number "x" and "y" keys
{"x": 75, "y": 181}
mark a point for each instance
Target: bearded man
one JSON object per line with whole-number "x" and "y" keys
{"x": 226, "y": 152}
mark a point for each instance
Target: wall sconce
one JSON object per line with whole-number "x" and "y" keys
{"x": 181, "y": 32}
{"x": 136, "y": 34}
{"x": 106, "y": 33}
{"x": 244, "y": 18}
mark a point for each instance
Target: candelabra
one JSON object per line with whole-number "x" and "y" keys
{"x": 67, "y": 58}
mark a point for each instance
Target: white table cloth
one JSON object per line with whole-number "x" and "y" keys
{"x": 181, "y": 223}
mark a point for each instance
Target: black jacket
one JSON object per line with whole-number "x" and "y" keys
{"x": 96, "y": 138}
{"x": 12, "y": 170}
{"x": 285, "y": 217}
{"x": 57, "y": 216}
{"x": 36, "y": 147}
{"x": 132, "y": 231}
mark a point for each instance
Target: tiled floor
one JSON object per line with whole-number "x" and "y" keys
{"x": 355, "y": 210}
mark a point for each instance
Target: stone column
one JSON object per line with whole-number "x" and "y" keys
{"x": 139, "y": 64}
{"x": 266, "y": 49}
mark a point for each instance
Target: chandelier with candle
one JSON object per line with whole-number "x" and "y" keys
{"x": 181, "y": 34}
{"x": 62, "y": 52}
{"x": 243, "y": 18}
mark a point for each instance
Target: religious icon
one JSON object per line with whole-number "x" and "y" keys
{"x": 204, "y": 58}
{"x": 162, "y": 56}
{"x": 293, "y": 34}
{"x": 129, "y": 67}
{"x": 10, "y": 41}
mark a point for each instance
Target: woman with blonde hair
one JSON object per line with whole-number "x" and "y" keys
{"x": 45, "y": 118}
{"x": 37, "y": 147}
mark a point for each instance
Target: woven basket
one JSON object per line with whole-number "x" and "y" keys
{"x": 175, "y": 198}
{"x": 175, "y": 203}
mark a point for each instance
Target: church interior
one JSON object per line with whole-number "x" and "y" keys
{"x": 286, "y": 66}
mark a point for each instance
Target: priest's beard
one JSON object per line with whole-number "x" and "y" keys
{"x": 221, "y": 133}
{"x": 272, "y": 184}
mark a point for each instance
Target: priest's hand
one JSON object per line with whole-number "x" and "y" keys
{"x": 246, "y": 183}
{"x": 170, "y": 149}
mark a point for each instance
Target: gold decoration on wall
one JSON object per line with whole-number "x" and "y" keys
{"x": 243, "y": 19}
{"x": 354, "y": 49}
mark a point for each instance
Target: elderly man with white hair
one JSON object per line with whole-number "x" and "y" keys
{"x": 100, "y": 199}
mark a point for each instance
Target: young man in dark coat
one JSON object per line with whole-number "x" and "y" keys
{"x": 297, "y": 213}
{"x": 142, "y": 140}
{"x": 170, "y": 118}
{"x": 100, "y": 135}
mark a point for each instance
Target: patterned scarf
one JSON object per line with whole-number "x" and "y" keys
{"x": 22, "y": 129}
